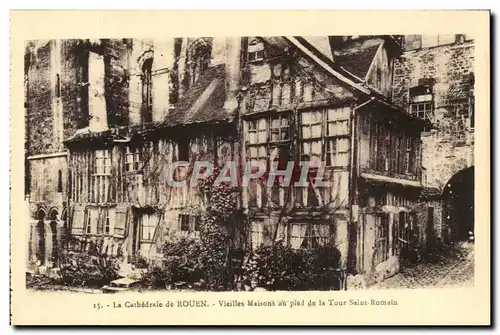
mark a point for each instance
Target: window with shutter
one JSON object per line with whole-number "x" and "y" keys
{"x": 122, "y": 215}
{"x": 78, "y": 220}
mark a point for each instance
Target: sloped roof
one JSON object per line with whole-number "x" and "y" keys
{"x": 322, "y": 44}
{"x": 203, "y": 102}
{"x": 356, "y": 61}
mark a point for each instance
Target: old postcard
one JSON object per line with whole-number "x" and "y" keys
{"x": 250, "y": 168}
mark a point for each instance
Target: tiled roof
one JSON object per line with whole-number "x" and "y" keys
{"x": 86, "y": 135}
{"x": 356, "y": 61}
{"x": 203, "y": 102}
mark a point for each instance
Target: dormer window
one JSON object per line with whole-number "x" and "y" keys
{"x": 255, "y": 50}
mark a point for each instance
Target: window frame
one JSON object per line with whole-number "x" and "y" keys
{"x": 418, "y": 105}
{"x": 147, "y": 90}
{"x": 133, "y": 161}
{"x": 151, "y": 217}
{"x": 382, "y": 228}
{"x": 328, "y": 116}
{"x": 88, "y": 224}
{"x": 260, "y": 129}
{"x": 107, "y": 225}
{"x": 259, "y": 53}
{"x": 259, "y": 224}
{"x": 309, "y": 234}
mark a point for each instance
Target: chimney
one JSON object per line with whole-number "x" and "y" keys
{"x": 181, "y": 70}
{"x": 233, "y": 52}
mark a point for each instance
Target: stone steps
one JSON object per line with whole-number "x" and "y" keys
{"x": 121, "y": 285}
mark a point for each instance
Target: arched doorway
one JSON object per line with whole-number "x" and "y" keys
{"x": 40, "y": 229}
{"x": 53, "y": 216}
{"x": 458, "y": 206}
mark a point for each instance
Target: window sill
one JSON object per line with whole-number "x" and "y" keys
{"x": 259, "y": 61}
{"x": 132, "y": 173}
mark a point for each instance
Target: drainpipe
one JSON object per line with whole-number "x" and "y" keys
{"x": 353, "y": 187}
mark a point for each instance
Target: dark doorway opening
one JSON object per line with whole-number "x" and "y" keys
{"x": 53, "y": 230}
{"x": 458, "y": 203}
{"x": 40, "y": 229}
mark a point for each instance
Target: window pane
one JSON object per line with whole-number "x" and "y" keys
{"x": 252, "y": 137}
{"x": 262, "y": 124}
{"x": 316, "y": 116}
{"x": 252, "y": 152}
{"x": 262, "y": 151}
{"x": 275, "y": 136}
{"x": 341, "y": 159}
{"x": 306, "y": 132}
{"x": 306, "y": 117}
{"x": 316, "y": 148}
{"x": 285, "y": 136}
{"x": 297, "y": 235}
{"x": 262, "y": 137}
{"x": 316, "y": 130}
{"x": 275, "y": 123}
{"x": 342, "y": 145}
{"x": 306, "y": 148}
{"x": 338, "y": 114}
{"x": 284, "y": 121}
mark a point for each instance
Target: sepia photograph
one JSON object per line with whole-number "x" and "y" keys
{"x": 246, "y": 168}
{"x": 254, "y": 163}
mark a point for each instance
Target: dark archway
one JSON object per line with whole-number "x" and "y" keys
{"x": 53, "y": 227}
{"x": 40, "y": 228}
{"x": 458, "y": 206}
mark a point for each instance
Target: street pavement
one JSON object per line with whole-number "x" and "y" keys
{"x": 456, "y": 270}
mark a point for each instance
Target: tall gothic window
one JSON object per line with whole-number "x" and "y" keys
{"x": 147, "y": 96}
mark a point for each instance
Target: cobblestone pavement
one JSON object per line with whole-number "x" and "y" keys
{"x": 454, "y": 270}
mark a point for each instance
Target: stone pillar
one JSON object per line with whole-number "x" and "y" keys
{"x": 33, "y": 248}
{"x": 218, "y": 51}
{"x": 135, "y": 99}
{"x": 182, "y": 67}
{"x": 162, "y": 64}
{"x": 343, "y": 241}
{"x": 391, "y": 229}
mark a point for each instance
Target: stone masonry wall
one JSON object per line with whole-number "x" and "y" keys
{"x": 449, "y": 69}
{"x": 39, "y": 107}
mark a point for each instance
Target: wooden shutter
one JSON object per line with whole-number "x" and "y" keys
{"x": 122, "y": 215}
{"x": 78, "y": 219}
